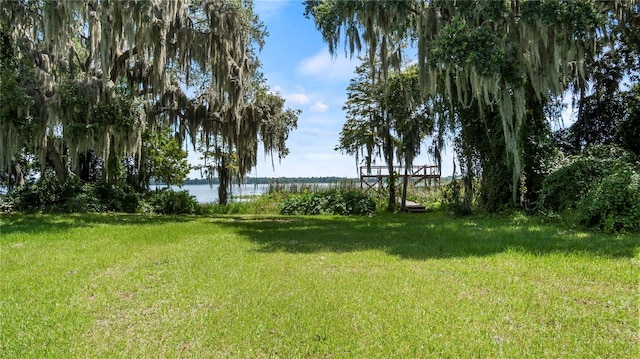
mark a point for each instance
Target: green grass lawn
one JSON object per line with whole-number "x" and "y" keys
{"x": 391, "y": 286}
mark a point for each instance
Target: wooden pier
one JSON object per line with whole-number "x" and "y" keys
{"x": 374, "y": 177}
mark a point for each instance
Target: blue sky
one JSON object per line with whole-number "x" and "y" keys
{"x": 297, "y": 64}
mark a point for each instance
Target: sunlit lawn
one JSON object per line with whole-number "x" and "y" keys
{"x": 391, "y": 286}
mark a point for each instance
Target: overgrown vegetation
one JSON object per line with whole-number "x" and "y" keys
{"x": 591, "y": 190}
{"x": 491, "y": 74}
{"x": 614, "y": 204}
{"x": 333, "y": 201}
{"x": 602, "y": 185}
{"x": 76, "y": 196}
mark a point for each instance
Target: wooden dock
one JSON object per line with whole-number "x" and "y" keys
{"x": 374, "y": 177}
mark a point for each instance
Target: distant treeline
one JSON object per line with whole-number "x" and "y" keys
{"x": 283, "y": 180}
{"x": 268, "y": 180}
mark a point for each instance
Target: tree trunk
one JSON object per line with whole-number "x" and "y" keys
{"x": 18, "y": 175}
{"x": 84, "y": 166}
{"x": 54, "y": 158}
{"x": 404, "y": 187}
{"x": 392, "y": 179}
{"x": 223, "y": 176}
{"x": 468, "y": 185}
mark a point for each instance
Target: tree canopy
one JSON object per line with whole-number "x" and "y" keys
{"x": 489, "y": 56}
{"x": 92, "y": 76}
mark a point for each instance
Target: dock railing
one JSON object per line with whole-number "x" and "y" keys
{"x": 375, "y": 176}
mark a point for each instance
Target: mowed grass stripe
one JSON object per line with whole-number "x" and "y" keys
{"x": 251, "y": 286}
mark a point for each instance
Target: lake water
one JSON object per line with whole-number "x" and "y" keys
{"x": 209, "y": 194}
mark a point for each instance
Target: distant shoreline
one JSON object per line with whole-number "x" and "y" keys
{"x": 269, "y": 180}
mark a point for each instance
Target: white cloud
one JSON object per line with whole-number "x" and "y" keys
{"x": 323, "y": 66}
{"x": 297, "y": 98}
{"x": 319, "y": 107}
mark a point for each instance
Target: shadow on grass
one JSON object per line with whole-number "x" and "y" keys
{"x": 425, "y": 236}
{"x": 56, "y": 223}
{"x": 411, "y": 236}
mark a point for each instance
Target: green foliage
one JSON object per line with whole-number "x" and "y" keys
{"x": 568, "y": 185}
{"x": 628, "y": 131}
{"x": 614, "y": 204}
{"x": 483, "y": 155}
{"x": 603, "y": 185}
{"x": 167, "y": 201}
{"x": 453, "y": 198}
{"x": 73, "y": 196}
{"x": 565, "y": 187}
{"x": 333, "y": 201}
{"x": 166, "y": 160}
{"x": 576, "y": 14}
{"x": 34, "y": 197}
{"x": 264, "y": 204}
{"x": 208, "y": 209}
{"x": 117, "y": 198}
{"x": 460, "y": 45}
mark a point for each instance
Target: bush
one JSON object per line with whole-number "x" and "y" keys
{"x": 38, "y": 196}
{"x": 167, "y": 201}
{"x": 333, "y": 201}
{"x": 6, "y": 204}
{"x": 47, "y": 195}
{"x": 80, "y": 198}
{"x": 570, "y": 184}
{"x": 117, "y": 198}
{"x": 564, "y": 188}
{"x": 614, "y": 204}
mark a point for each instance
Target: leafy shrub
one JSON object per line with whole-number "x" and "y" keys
{"x": 570, "y": 184}
{"x": 333, "y": 201}
{"x": 564, "y": 188}
{"x": 167, "y": 201}
{"x": 36, "y": 196}
{"x": 117, "y": 198}
{"x": 6, "y": 204}
{"x": 44, "y": 195}
{"x": 49, "y": 195}
{"x": 614, "y": 204}
{"x": 80, "y": 198}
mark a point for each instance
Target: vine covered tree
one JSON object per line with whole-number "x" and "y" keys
{"x": 486, "y": 55}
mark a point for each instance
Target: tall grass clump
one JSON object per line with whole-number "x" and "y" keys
{"x": 428, "y": 195}
{"x": 297, "y": 188}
